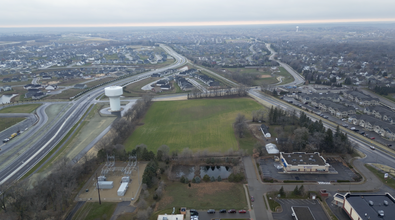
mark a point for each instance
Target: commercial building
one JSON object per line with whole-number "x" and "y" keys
{"x": 271, "y": 148}
{"x": 366, "y": 206}
{"x": 302, "y": 162}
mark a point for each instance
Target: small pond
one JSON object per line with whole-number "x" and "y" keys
{"x": 189, "y": 171}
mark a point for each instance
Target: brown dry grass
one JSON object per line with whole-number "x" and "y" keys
{"x": 266, "y": 76}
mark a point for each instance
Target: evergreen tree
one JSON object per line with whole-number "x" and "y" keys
{"x": 212, "y": 179}
{"x": 296, "y": 191}
{"x": 301, "y": 190}
{"x": 281, "y": 192}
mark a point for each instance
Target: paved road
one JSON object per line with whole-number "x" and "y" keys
{"x": 257, "y": 189}
{"x": 30, "y": 119}
{"x": 43, "y": 146}
{"x": 298, "y": 79}
{"x": 40, "y": 119}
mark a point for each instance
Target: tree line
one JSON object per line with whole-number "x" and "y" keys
{"x": 240, "y": 91}
{"x": 302, "y": 134}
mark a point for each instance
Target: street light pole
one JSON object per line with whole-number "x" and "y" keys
{"x": 98, "y": 188}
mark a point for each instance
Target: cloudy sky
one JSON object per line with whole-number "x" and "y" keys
{"x": 94, "y": 13}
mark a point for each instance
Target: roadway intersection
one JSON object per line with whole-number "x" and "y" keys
{"x": 56, "y": 131}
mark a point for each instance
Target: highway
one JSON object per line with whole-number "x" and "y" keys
{"x": 24, "y": 162}
{"x": 19, "y": 166}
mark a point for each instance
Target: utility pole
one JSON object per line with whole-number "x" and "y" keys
{"x": 98, "y": 188}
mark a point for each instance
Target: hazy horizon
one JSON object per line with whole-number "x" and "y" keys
{"x": 122, "y": 13}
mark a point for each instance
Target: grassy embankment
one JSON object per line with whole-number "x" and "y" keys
{"x": 66, "y": 94}
{"x": 204, "y": 124}
{"x": 380, "y": 175}
{"x": 8, "y": 122}
{"x": 93, "y": 211}
{"x": 29, "y": 108}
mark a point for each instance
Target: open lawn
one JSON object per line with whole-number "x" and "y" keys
{"x": 65, "y": 94}
{"x": 287, "y": 76}
{"x": 134, "y": 89}
{"x": 212, "y": 195}
{"x": 197, "y": 124}
{"x": 8, "y": 122}
{"x": 380, "y": 175}
{"x": 20, "y": 108}
{"x": 93, "y": 211}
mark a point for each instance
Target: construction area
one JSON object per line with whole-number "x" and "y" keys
{"x": 117, "y": 181}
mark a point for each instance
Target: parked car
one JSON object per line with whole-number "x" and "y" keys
{"x": 362, "y": 132}
{"x": 372, "y": 147}
{"x": 252, "y": 199}
{"x": 194, "y": 212}
{"x": 211, "y": 211}
{"x": 345, "y": 125}
{"x": 6, "y": 140}
{"x": 222, "y": 211}
{"x": 232, "y": 211}
{"x": 389, "y": 145}
{"x": 343, "y": 119}
{"x": 242, "y": 211}
{"x": 326, "y": 117}
{"x": 372, "y": 138}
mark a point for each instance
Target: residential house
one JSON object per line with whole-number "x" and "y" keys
{"x": 361, "y": 98}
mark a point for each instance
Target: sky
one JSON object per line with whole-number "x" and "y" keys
{"x": 124, "y": 13}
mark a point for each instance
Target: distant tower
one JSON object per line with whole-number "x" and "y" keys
{"x": 114, "y": 93}
{"x": 297, "y": 28}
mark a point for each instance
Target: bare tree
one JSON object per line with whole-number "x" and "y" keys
{"x": 165, "y": 152}
{"x": 240, "y": 125}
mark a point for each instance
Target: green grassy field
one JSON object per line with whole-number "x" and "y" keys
{"x": 93, "y": 211}
{"x": 197, "y": 124}
{"x": 215, "y": 195}
{"x": 20, "y": 108}
{"x": 8, "y": 122}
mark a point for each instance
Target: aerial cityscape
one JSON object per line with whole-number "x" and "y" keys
{"x": 158, "y": 116}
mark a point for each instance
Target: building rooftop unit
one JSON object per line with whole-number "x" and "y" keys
{"x": 299, "y": 158}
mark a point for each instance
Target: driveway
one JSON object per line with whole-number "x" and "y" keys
{"x": 256, "y": 189}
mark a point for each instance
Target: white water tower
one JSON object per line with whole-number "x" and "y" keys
{"x": 114, "y": 93}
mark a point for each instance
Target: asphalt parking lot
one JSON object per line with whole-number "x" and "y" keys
{"x": 344, "y": 173}
{"x": 203, "y": 215}
{"x": 286, "y": 204}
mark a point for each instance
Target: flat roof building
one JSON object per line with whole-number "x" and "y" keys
{"x": 367, "y": 206}
{"x": 303, "y": 162}
{"x": 271, "y": 148}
